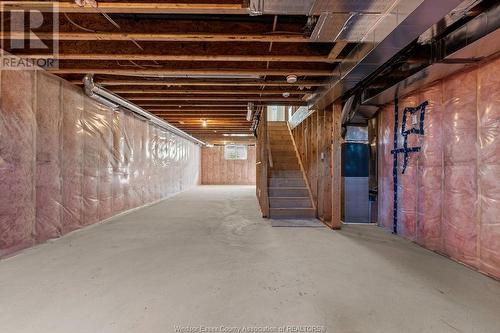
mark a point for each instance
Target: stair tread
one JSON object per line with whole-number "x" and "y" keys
{"x": 293, "y": 208}
{"x": 285, "y": 178}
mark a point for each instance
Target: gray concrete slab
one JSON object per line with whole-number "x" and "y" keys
{"x": 205, "y": 257}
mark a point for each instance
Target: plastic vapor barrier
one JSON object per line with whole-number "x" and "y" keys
{"x": 449, "y": 196}
{"x": 67, "y": 161}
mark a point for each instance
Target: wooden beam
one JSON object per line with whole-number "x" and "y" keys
{"x": 156, "y": 37}
{"x": 183, "y": 110}
{"x": 184, "y": 57}
{"x": 234, "y": 113}
{"x": 186, "y": 72}
{"x": 125, "y": 7}
{"x": 236, "y": 98}
{"x": 208, "y": 92}
{"x": 180, "y": 115}
{"x": 188, "y": 119}
{"x": 238, "y": 117}
{"x": 180, "y": 82}
{"x": 336, "y": 166}
{"x": 220, "y": 131}
{"x": 214, "y": 124}
{"x": 186, "y": 103}
{"x": 337, "y": 48}
{"x": 183, "y": 104}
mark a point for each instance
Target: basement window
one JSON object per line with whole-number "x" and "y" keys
{"x": 235, "y": 152}
{"x": 276, "y": 113}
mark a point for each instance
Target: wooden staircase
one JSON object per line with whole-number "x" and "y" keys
{"x": 288, "y": 193}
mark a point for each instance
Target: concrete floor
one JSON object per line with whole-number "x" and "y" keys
{"x": 205, "y": 257}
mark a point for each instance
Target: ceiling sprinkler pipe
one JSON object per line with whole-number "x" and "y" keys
{"x": 114, "y": 101}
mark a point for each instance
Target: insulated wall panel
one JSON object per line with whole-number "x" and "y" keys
{"x": 72, "y": 143}
{"x": 407, "y": 199}
{"x": 459, "y": 228}
{"x": 118, "y": 162}
{"x": 17, "y": 160}
{"x": 67, "y": 161}
{"x": 430, "y": 168}
{"x": 105, "y": 188}
{"x": 385, "y": 161}
{"x": 48, "y": 164}
{"x": 91, "y": 146}
{"x": 449, "y": 196}
{"x": 488, "y": 103}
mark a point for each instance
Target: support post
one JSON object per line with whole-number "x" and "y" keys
{"x": 336, "y": 166}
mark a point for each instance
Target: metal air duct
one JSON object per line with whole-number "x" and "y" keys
{"x": 401, "y": 24}
{"x": 114, "y": 101}
{"x": 472, "y": 42}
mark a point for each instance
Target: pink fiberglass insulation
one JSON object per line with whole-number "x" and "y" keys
{"x": 48, "y": 164}
{"x": 91, "y": 146}
{"x": 67, "y": 161}
{"x": 488, "y": 96}
{"x": 449, "y": 196}
{"x": 459, "y": 227}
{"x": 17, "y": 160}
{"x": 105, "y": 188}
{"x": 118, "y": 163}
{"x": 136, "y": 163}
{"x": 430, "y": 168}
{"x": 385, "y": 160}
{"x": 128, "y": 160}
{"x": 407, "y": 199}
{"x": 71, "y": 145}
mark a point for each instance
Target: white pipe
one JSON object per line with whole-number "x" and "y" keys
{"x": 114, "y": 101}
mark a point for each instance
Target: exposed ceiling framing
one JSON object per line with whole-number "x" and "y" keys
{"x": 194, "y": 61}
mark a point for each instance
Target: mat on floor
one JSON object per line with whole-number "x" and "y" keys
{"x": 297, "y": 223}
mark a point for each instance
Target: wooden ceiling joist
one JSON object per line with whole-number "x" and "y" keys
{"x": 162, "y": 72}
{"x": 181, "y": 82}
{"x": 126, "y": 7}
{"x": 183, "y": 57}
{"x": 193, "y": 110}
{"x": 196, "y": 114}
{"x": 184, "y": 68}
{"x": 156, "y": 37}
{"x": 187, "y": 113}
{"x": 337, "y": 48}
{"x": 208, "y": 92}
{"x": 191, "y": 98}
{"x": 186, "y": 119}
{"x": 186, "y": 104}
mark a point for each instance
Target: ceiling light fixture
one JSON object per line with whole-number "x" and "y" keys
{"x": 204, "y": 123}
{"x": 286, "y": 94}
{"x": 292, "y": 78}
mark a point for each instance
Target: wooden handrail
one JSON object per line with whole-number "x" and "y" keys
{"x": 302, "y": 169}
{"x": 268, "y": 145}
{"x": 264, "y": 161}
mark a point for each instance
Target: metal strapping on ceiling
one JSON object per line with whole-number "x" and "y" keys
{"x": 401, "y": 24}
{"x": 317, "y": 7}
{"x": 474, "y": 41}
{"x": 344, "y": 19}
